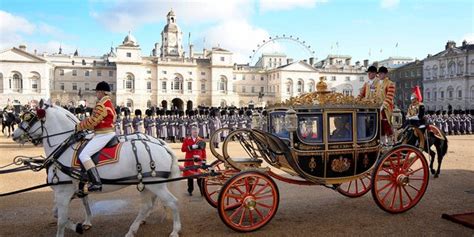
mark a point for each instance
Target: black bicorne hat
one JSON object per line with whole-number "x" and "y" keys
{"x": 102, "y": 86}
{"x": 372, "y": 69}
{"x": 383, "y": 69}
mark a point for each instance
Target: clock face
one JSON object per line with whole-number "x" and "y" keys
{"x": 172, "y": 39}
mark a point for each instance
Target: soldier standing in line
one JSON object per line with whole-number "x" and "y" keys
{"x": 468, "y": 123}
{"x": 149, "y": 123}
{"x": 137, "y": 122}
{"x": 127, "y": 123}
{"x": 462, "y": 123}
{"x": 214, "y": 125}
{"x": 164, "y": 126}
{"x": 450, "y": 124}
{"x": 457, "y": 124}
{"x": 445, "y": 123}
{"x": 118, "y": 122}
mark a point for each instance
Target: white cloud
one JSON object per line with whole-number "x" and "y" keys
{"x": 123, "y": 16}
{"x": 16, "y": 30}
{"x": 14, "y": 24}
{"x": 389, "y": 4}
{"x": 469, "y": 37}
{"x": 239, "y": 37}
{"x": 279, "y": 5}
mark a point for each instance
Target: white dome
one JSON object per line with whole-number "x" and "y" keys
{"x": 130, "y": 40}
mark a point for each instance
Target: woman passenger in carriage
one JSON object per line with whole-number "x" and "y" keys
{"x": 341, "y": 132}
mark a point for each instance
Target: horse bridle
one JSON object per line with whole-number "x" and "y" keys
{"x": 31, "y": 118}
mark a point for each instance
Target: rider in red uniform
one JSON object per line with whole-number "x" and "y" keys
{"x": 195, "y": 147}
{"x": 102, "y": 123}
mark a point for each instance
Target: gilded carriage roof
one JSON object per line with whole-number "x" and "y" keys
{"x": 324, "y": 97}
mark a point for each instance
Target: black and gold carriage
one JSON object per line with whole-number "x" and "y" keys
{"x": 320, "y": 138}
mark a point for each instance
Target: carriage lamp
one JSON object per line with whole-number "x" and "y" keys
{"x": 397, "y": 118}
{"x": 255, "y": 120}
{"x": 291, "y": 120}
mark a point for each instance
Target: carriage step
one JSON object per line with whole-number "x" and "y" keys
{"x": 247, "y": 161}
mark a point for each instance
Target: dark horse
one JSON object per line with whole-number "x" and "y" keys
{"x": 8, "y": 120}
{"x": 412, "y": 135}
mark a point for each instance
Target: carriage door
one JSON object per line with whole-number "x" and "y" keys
{"x": 340, "y": 159}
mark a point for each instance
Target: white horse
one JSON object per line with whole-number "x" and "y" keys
{"x": 57, "y": 125}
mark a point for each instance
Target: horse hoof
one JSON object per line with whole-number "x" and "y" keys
{"x": 86, "y": 227}
{"x": 174, "y": 235}
{"x": 433, "y": 172}
{"x": 436, "y": 176}
{"x": 143, "y": 222}
{"x": 79, "y": 228}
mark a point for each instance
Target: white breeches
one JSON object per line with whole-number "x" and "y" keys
{"x": 95, "y": 144}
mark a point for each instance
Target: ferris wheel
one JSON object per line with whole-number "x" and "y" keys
{"x": 305, "y": 47}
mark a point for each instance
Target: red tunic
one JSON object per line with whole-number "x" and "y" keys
{"x": 102, "y": 119}
{"x": 187, "y": 143}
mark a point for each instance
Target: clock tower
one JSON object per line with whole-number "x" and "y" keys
{"x": 171, "y": 38}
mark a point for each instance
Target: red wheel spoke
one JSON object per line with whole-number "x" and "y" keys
{"x": 242, "y": 216}
{"x": 212, "y": 193}
{"x": 406, "y": 192}
{"x": 385, "y": 169}
{"x": 234, "y": 196}
{"x": 349, "y": 187}
{"x": 264, "y": 205}
{"x": 264, "y": 186}
{"x": 264, "y": 197}
{"x": 254, "y": 185}
{"x": 416, "y": 178}
{"x": 412, "y": 162}
{"x": 411, "y": 186}
{"x": 400, "y": 194}
{"x": 388, "y": 192}
{"x": 258, "y": 213}
{"x": 250, "y": 217}
{"x": 363, "y": 184}
{"x": 231, "y": 207}
{"x": 357, "y": 187}
{"x": 384, "y": 177}
{"x": 235, "y": 213}
{"x": 394, "y": 196}
{"x": 384, "y": 187}
{"x": 413, "y": 171}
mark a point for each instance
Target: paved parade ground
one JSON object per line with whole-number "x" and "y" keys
{"x": 303, "y": 211}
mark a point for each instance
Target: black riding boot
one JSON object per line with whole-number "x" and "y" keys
{"x": 94, "y": 180}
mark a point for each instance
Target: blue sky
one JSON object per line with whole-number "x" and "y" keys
{"x": 348, "y": 27}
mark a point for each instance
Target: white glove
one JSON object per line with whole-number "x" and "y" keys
{"x": 194, "y": 146}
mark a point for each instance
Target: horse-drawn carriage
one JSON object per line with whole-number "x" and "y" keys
{"x": 320, "y": 138}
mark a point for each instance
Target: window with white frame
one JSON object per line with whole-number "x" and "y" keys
{"x": 61, "y": 72}
{"x": 61, "y": 86}
{"x": 86, "y": 73}
{"x": 203, "y": 87}
{"x": 190, "y": 86}
{"x": 86, "y": 86}
{"x": 74, "y": 86}
{"x": 99, "y": 73}
{"x": 163, "y": 86}
{"x": 333, "y": 78}
{"x": 300, "y": 87}
{"x": 74, "y": 72}
{"x": 34, "y": 84}
{"x": 16, "y": 83}
{"x": 223, "y": 84}
{"x": 129, "y": 81}
{"x": 148, "y": 86}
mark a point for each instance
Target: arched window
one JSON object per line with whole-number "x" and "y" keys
{"x": 459, "y": 93}
{"x": 289, "y": 86}
{"x": 300, "y": 86}
{"x": 311, "y": 85}
{"x": 428, "y": 72}
{"x": 34, "y": 81}
{"x": 222, "y": 84}
{"x": 435, "y": 71}
{"x": 451, "y": 68}
{"x": 148, "y": 86}
{"x": 347, "y": 90}
{"x": 129, "y": 103}
{"x": 177, "y": 84}
{"x": 450, "y": 92}
{"x": 16, "y": 82}
{"x": 460, "y": 68}
{"x": 129, "y": 82}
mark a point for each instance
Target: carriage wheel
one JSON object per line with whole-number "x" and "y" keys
{"x": 356, "y": 188}
{"x": 254, "y": 200}
{"x": 212, "y": 185}
{"x": 400, "y": 179}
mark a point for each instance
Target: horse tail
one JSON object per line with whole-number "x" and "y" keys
{"x": 444, "y": 146}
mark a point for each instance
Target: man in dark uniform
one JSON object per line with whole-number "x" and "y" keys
{"x": 137, "y": 122}
{"x": 416, "y": 110}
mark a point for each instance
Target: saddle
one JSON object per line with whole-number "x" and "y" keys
{"x": 108, "y": 155}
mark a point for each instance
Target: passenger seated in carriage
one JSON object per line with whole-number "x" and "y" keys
{"x": 342, "y": 131}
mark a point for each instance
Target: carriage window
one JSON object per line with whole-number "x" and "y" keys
{"x": 310, "y": 128}
{"x": 277, "y": 125}
{"x": 366, "y": 126}
{"x": 340, "y": 127}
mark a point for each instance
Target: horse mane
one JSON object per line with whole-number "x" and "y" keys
{"x": 67, "y": 112}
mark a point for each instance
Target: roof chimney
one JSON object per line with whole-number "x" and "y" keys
{"x": 191, "y": 51}
{"x": 450, "y": 44}
{"x": 311, "y": 61}
{"x": 464, "y": 43}
{"x": 22, "y": 47}
{"x": 366, "y": 63}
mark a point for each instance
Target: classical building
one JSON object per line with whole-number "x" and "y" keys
{"x": 170, "y": 77}
{"x": 448, "y": 78}
{"x": 394, "y": 62}
{"x": 406, "y": 77}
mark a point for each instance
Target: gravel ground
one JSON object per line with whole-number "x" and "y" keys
{"x": 303, "y": 211}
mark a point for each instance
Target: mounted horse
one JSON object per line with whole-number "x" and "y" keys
{"x": 137, "y": 159}
{"x": 8, "y": 121}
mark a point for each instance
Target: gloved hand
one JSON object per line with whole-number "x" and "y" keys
{"x": 201, "y": 145}
{"x": 194, "y": 147}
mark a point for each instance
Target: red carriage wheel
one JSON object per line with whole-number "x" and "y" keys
{"x": 400, "y": 179}
{"x": 248, "y": 201}
{"x": 213, "y": 185}
{"x": 356, "y": 188}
